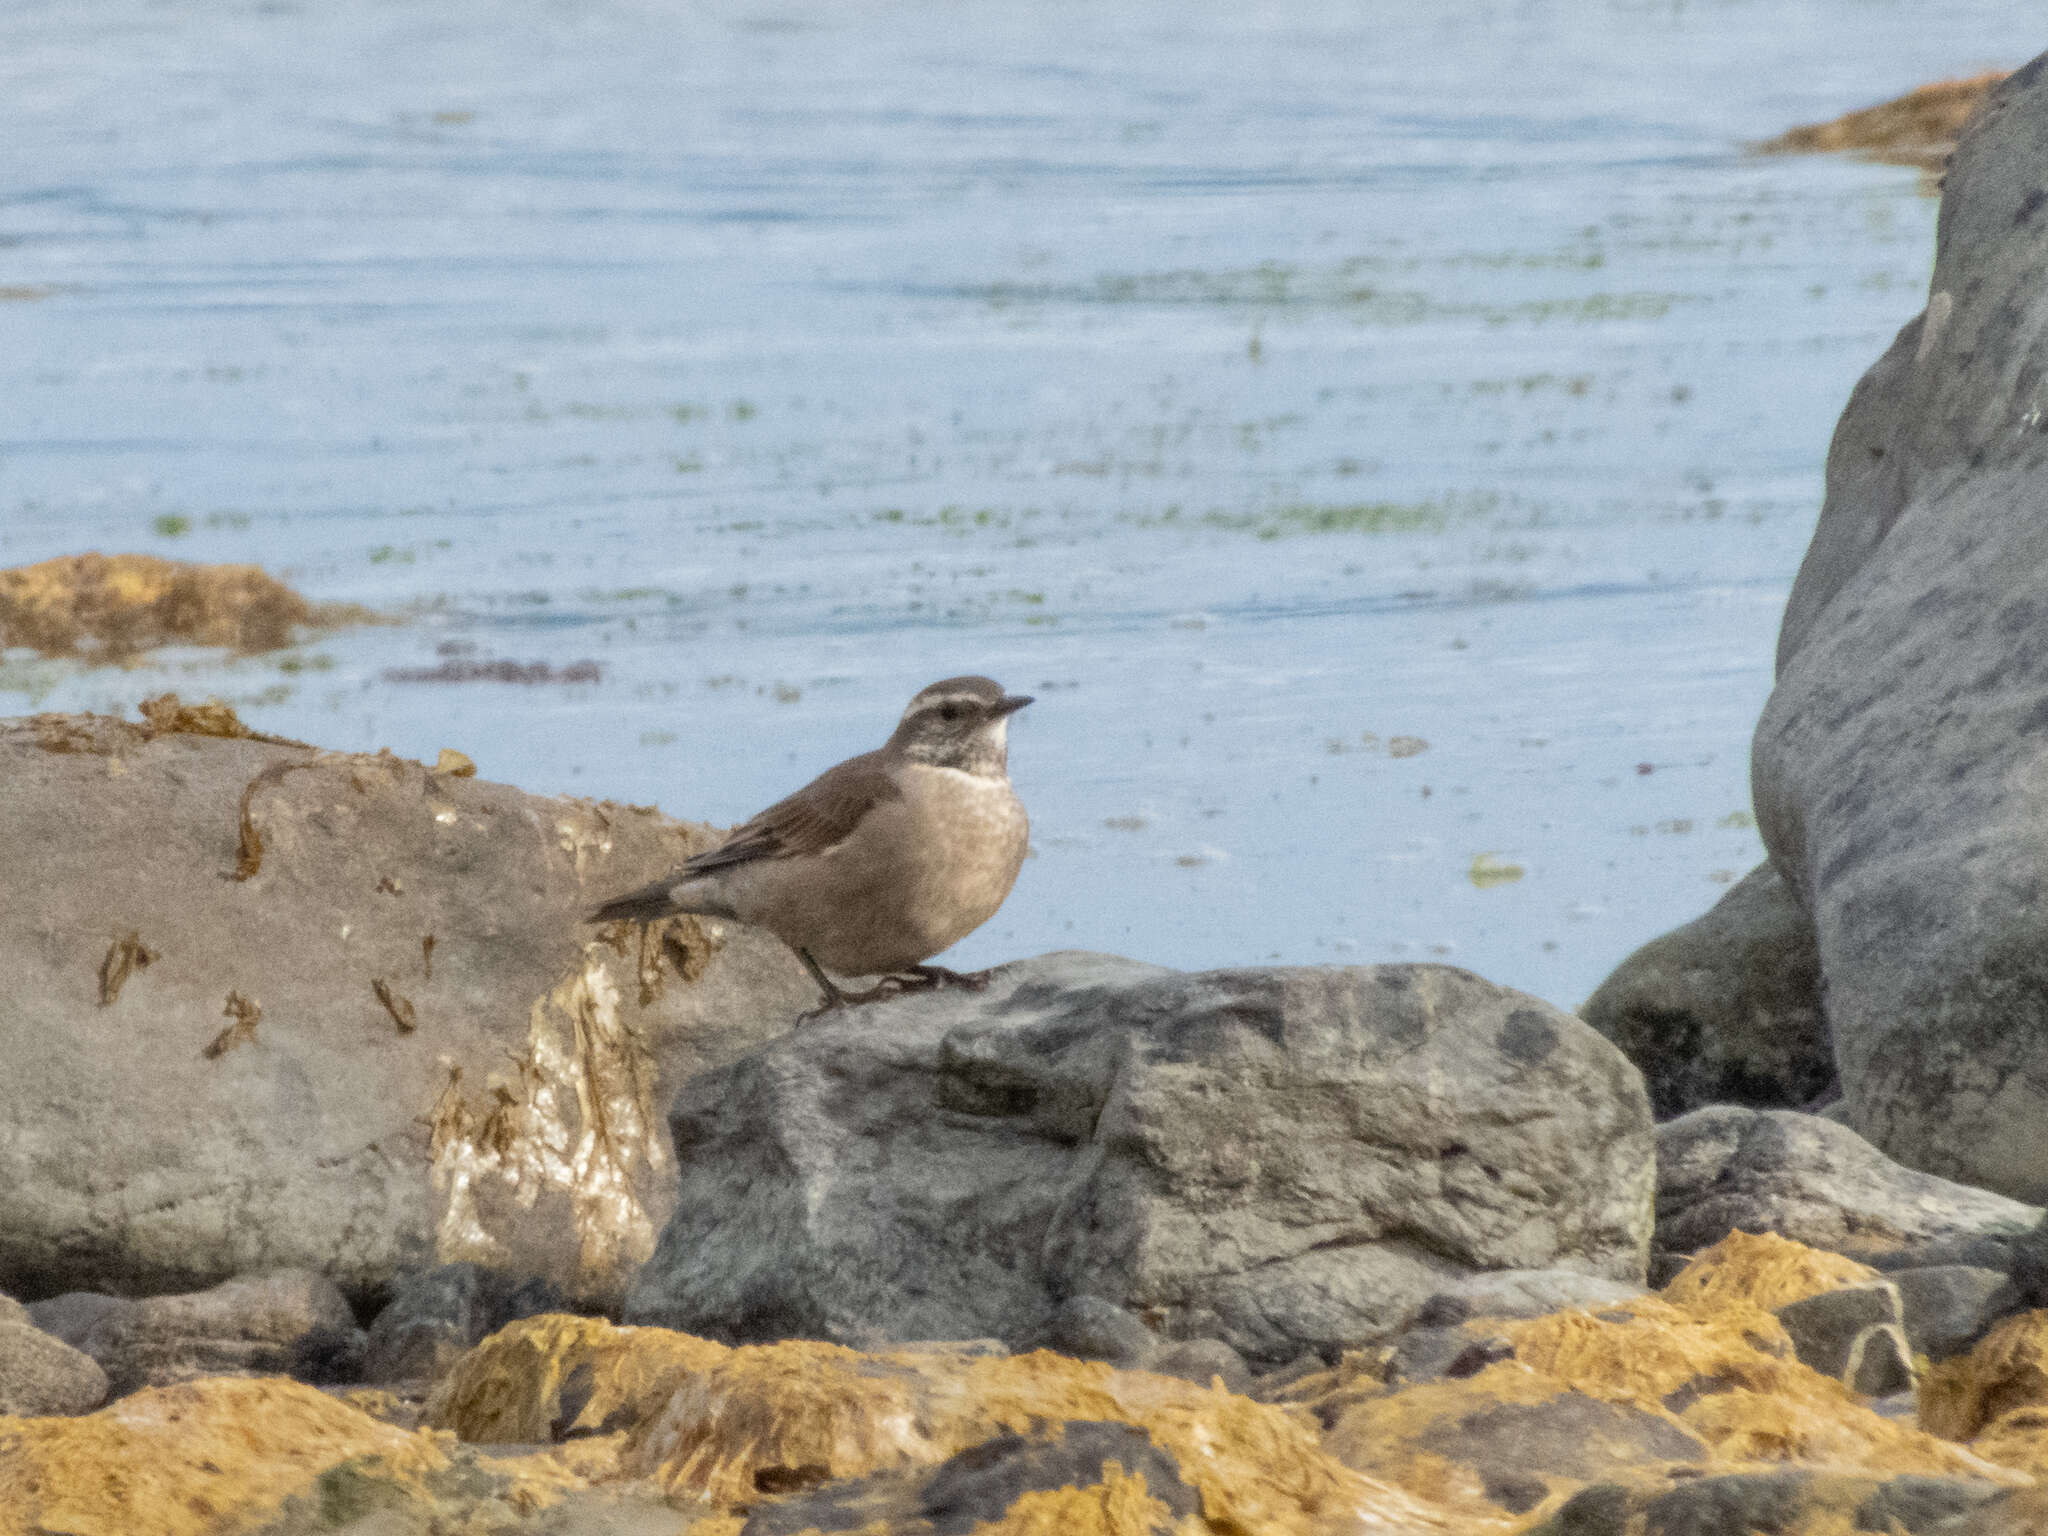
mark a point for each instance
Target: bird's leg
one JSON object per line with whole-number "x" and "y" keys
{"x": 836, "y": 999}
{"x": 939, "y": 976}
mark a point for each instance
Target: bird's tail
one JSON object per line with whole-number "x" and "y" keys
{"x": 643, "y": 905}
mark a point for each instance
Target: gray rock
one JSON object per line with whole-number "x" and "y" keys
{"x": 73, "y": 1315}
{"x": 1948, "y": 1307}
{"x": 41, "y": 1375}
{"x": 1853, "y": 1333}
{"x": 1746, "y": 1503}
{"x": 255, "y": 1325}
{"x": 503, "y": 1106}
{"x": 1522, "y": 1293}
{"x": 1089, "y": 1328}
{"x": 1811, "y": 1180}
{"x": 435, "y": 1316}
{"x": 1898, "y": 769}
{"x": 1725, "y": 1010}
{"x": 1283, "y": 1159}
{"x": 1445, "y": 1353}
{"x": 1203, "y": 1361}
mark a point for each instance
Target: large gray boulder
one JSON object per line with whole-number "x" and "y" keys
{"x": 1727, "y": 1009}
{"x": 270, "y": 1007}
{"x": 1286, "y": 1160}
{"x": 1805, "y": 1177}
{"x": 1901, "y": 766}
{"x": 258, "y": 1325}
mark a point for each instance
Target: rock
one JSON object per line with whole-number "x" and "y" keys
{"x": 1919, "y": 128}
{"x": 1286, "y": 1160}
{"x": 784, "y": 1418}
{"x": 1521, "y": 1293}
{"x": 1089, "y": 1328}
{"x": 1898, "y": 768}
{"x": 435, "y": 1315}
{"x": 496, "y": 1101}
{"x": 2019, "y": 1512}
{"x": 1725, "y": 1010}
{"x": 266, "y": 1457}
{"x": 73, "y": 1315}
{"x": 1445, "y": 1353}
{"x": 1799, "y": 1503}
{"x": 256, "y": 1325}
{"x": 1204, "y": 1361}
{"x": 1729, "y": 1169}
{"x": 1854, "y": 1334}
{"x": 1948, "y": 1307}
{"x": 558, "y": 1376}
{"x": 2006, "y": 1372}
{"x": 42, "y": 1375}
{"x": 111, "y": 606}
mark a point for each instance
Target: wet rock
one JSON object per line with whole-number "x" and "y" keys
{"x": 42, "y": 1375}
{"x": 256, "y": 1325}
{"x": 1204, "y": 1361}
{"x": 1919, "y": 128}
{"x": 111, "y": 606}
{"x": 1898, "y": 767}
{"x": 557, "y": 1377}
{"x": 1730, "y": 1169}
{"x": 1283, "y": 1159}
{"x": 1797, "y": 1503}
{"x": 1948, "y": 1307}
{"x": 250, "y": 1456}
{"x": 1725, "y": 1010}
{"x": 374, "y": 1033}
{"x": 791, "y": 1417}
{"x": 435, "y": 1315}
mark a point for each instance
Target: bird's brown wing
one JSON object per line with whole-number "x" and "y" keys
{"x": 813, "y": 819}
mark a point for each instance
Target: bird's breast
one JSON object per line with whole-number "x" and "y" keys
{"x": 970, "y": 833}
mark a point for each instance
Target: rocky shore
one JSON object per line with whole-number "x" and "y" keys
{"x": 350, "y": 1183}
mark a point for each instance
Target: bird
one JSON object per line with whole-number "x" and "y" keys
{"x": 878, "y": 863}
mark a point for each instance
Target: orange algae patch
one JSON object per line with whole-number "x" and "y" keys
{"x": 1729, "y": 1377}
{"x": 2007, "y": 1370}
{"x": 201, "y": 1459}
{"x": 509, "y": 1389}
{"x": 112, "y": 606}
{"x": 1120, "y": 1505}
{"x": 1919, "y": 128}
{"x": 802, "y": 1413}
{"x": 1763, "y": 1270}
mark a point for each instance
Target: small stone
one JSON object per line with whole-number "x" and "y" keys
{"x": 1090, "y": 1328}
{"x": 1947, "y": 1307}
{"x": 41, "y": 1375}
{"x": 1830, "y": 1332}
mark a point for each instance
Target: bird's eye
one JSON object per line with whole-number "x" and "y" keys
{"x": 949, "y": 711}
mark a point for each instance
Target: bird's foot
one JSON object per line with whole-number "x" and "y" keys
{"x": 836, "y": 999}
{"x": 939, "y": 976}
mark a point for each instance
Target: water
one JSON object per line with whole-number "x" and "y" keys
{"x": 1382, "y": 436}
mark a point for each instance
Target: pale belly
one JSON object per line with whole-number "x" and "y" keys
{"x": 916, "y": 877}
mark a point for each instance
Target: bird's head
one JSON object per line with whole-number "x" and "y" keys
{"x": 963, "y": 723}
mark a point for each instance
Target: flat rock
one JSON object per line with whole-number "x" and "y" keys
{"x": 1807, "y": 1178}
{"x": 73, "y": 1315}
{"x": 1900, "y": 767}
{"x": 1725, "y": 1010}
{"x": 1282, "y": 1159}
{"x": 255, "y": 1325}
{"x": 275, "y": 1007}
{"x": 1522, "y": 1293}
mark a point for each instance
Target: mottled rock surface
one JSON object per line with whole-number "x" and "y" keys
{"x": 1725, "y": 1010}
{"x": 435, "y": 1315}
{"x": 1804, "y": 1177}
{"x": 1900, "y": 769}
{"x": 42, "y": 1375}
{"x": 1282, "y": 1159}
{"x": 254, "y": 1325}
{"x": 273, "y": 1007}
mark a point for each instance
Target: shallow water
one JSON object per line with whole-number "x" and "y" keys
{"x": 1383, "y": 437}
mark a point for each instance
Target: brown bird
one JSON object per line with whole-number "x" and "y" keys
{"x": 880, "y": 863}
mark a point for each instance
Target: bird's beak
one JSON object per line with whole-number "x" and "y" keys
{"x": 1011, "y": 704}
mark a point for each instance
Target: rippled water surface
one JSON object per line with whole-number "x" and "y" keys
{"x": 1382, "y": 436}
